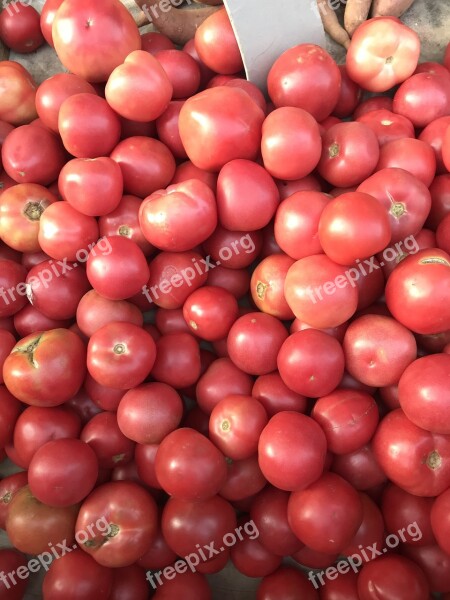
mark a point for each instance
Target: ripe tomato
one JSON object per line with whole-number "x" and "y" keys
{"x": 216, "y": 44}
{"x": 47, "y": 17}
{"x": 46, "y": 368}
{"x": 221, "y": 378}
{"x": 423, "y": 98}
{"x": 409, "y": 154}
{"x": 17, "y": 98}
{"x": 20, "y": 28}
{"x": 387, "y": 126}
{"x": 392, "y": 576}
{"x": 103, "y": 435}
{"x": 267, "y": 285}
{"x": 383, "y": 52}
{"x": 92, "y": 39}
{"x": 210, "y": 312}
{"x": 10, "y": 562}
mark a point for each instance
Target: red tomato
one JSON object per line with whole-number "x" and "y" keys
{"x": 20, "y": 28}
{"x": 387, "y": 126}
{"x": 221, "y": 378}
{"x": 93, "y": 39}
{"x": 252, "y": 559}
{"x": 10, "y": 412}
{"x": 267, "y": 285}
{"x": 383, "y": 52}
{"x": 177, "y": 360}
{"x": 435, "y": 563}
{"x": 9, "y": 486}
{"x": 33, "y": 154}
{"x": 21, "y": 207}
{"x": 191, "y": 586}
{"x": 94, "y": 187}
{"x": 168, "y": 131}
{"x": 306, "y": 77}
{"x": 341, "y": 511}
{"x": 423, "y": 98}
{"x": 103, "y": 435}
{"x": 372, "y": 104}
{"x": 292, "y": 450}
{"x": 392, "y": 576}
{"x": 95, "y": 311}
{"x": 132, "y": 518}
{"x": 88, "y": 126}
{"x": 211, "y": 132}
{"x": 433, "y": 134}
{"x": 216, "y": 44}
{"x": 47, "y": 368}
{"x": 291, "y": 143}
{"x": 429, "y": 271}
{"x": 17, "y": 98}
{"x": 275, "y": 396}
{"x": 12, "y": 587}
{"x": 409, "y": 154}
{"x": 350, "y": 153}
{"x": 47, "y": 17}
{"x": 120, "y": 355}
{"x": 139, "y": 89}
{"x": 416, "y": 460}
{"x": 153, "y": 42}
{"x": 210, "y": 312}
{"x": 182, "y": 70}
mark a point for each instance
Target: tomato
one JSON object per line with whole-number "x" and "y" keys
{"x": 275, "y": 396}
{"x": 37, "y": 425}
{"x": 187, "y": 170}
{"x": 33, "y": 526}
{"x": 317, "y": 290}
{"x": 78, "y": 576}
{"x": 343, "y": 587}
{"x": 237, "y": 281}
{"x": 210, "y": 312}
{"x": 129, "y": 583}
{"x": 387, "y": 126}
{"x": 305, "y": 184}
{"x": 433, "y": 134}
{"x": 210, "y": 131}
{"x": 252, "y": 90}
{"x": 401, "y": 509}
{"x": 47, "y": 17}
{"x": 88, "y": 126}
{"x": 349, "y": 96}
{"x": 192, "y": 586}
{"x": 291, "y": 143}
{"x": 33, "y": 154}
{"x": 177, "y": 360}
{"x": 17, "y": 94}
{"x": 392, "y": 576}
{"x": 10, "y": 411}
{"x": 378, "y": 349}
{"x": 252, "y": 559}
{"x": 95, "y": 311}
{"x": 103, "y": 435}
{"x": 372, "y": 104}
{"x": 350, "y": 153}
{"x": 91, "y": 39}
{"x": 149, "y": 412}
{"x": 371, "y": 530}
{"x": 267, "y": 285}
{"x": 429, "y": 271}
{"x": 12, "y": 287}
{"x": 120, "y": 355}
{"x": 182, "y": 70}
{"x": 423, "y": 98}
{"x": 131, "y": 514}
{"x": 306, "y": 77}
{"x": 216, "y": 44}
{"x": 94, "y": 187}
{"x": 423, "y": 392}
{"x": 234, "y": 248}
{"x": 292, "y": 451}
{"x": 254, "y": 341}
{"x": 62, "y": 472}
{"x": 348, "y": 418}
{"x": 20, "y": 28}
{"x": 222, "y": 378}
{"x": 446, "y": 149}
{"x": 21, "y": 207}
{"x": 55, "y": 288}
{"x": 9, "y": 486}
{"x": 168, "y": 130}
{"x": 340, "y": 508}
{"x": 46, "y": 368}
{"x": 244, "y": 480}
{"x": 434, "y": 562}
{"x": 186, "y": 524}
{"x": 139, "y": 89}
{"x": 406, "y": 199}
{"x": 64, "y": 232}
{"x": 153, "y": 42}
{"x": 179, "y": 218}
{"x": 383, "y": 52}
{"x": 414, "y": 459}
{"x": 299, "y": 359}
{"x": 147, "y": 165}
{"x": 11, "y": 587}
{"x": 409, "y": 154}
{"x": 118, "y": 271}
{"x": 7, "y": 343}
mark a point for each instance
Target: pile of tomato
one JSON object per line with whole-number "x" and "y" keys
{"x": 218, "y": 307}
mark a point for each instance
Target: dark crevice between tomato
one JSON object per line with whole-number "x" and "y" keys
{"x": 98, "y": 542}
{"x": 29, "y": 351}
{"x": 434, "y": 460}
{"x": 333, "y": 150}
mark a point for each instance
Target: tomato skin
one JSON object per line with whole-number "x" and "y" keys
{"x": 47, "y": 17}
{"x": 306, "y": 77}
{"x": 434, "y": 562}
{"x": 218, "y": 136}
{"x": 387, "y": 125}
{"x": 20, "y": 28}
{"x": 93, "y": 51}
{"x": 423, "y": 98}
{"x": 9, "y": 486}
{"x": 372, "y": 104}
{"x": 12, "y": 285}
{"x": 132, "y": 516}
{"x": 392, "y": 576}
{"x": 46, "y": 368}
{"x": 179, "y": 218}
{"x": 430, "y": 312}
{"x": 80, "y": 576}
{"x": 433, "y": 134}
{"x": 120, "y": 355}
{"x": 210, "y": 311}
{"x": 383, "y": 52}
{"x": 18, "y": 106}
{"x": 216, "y": 44}
{"x": 291, "y": 143}
{"x": 341, "y": 509}
{"x": 182, "y": 70}
{"x": 412, "y": 155}
{"x": 221, "y": 379}
{"x": 267, "y": 285}
{"x": 95, "y": 311}
{"x": 11, "y": 409}
{"x": 139, "y": 89}
{"x": 10, "y": 562}
{"x": 416, "y": 460}
{"x": 292, "y": 451}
